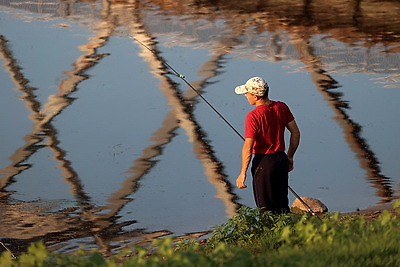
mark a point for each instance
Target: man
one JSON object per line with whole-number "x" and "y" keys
{"x": 264, "y": 137}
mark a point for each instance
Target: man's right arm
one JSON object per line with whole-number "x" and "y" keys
{"x": 246, "y": 158}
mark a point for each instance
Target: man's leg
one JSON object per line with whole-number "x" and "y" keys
{"x": 270, "y": 182}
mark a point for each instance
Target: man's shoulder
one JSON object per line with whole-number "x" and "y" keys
{"x": 252, "y": 113}
{"x": 281, "y": 104}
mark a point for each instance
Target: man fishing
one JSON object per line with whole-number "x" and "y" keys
{"x": 264, "y": 137}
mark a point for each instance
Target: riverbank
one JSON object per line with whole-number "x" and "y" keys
{"x": 253, "y": 239}
{"x": 373, "y": 212}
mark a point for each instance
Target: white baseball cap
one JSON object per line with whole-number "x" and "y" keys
{"x": 255, "y": 86}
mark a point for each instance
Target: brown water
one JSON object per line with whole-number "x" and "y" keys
{"x": 103, "y": 145}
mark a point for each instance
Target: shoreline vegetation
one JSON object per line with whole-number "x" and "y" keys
{"x": 362, "y": 238}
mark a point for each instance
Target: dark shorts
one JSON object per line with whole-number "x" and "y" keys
{"x": 270, "y": 182}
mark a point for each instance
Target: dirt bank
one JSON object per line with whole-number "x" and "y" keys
{"x": 373, "y": 212}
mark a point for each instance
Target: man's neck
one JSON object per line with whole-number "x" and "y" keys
{"x": 263, "y": 101}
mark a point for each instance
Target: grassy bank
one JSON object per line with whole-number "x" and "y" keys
{"x": 251, "y": 239}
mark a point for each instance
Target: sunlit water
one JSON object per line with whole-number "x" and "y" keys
{"x": 103, "y": 145}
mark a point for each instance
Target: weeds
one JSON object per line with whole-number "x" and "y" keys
{"x": 249, "y": 228}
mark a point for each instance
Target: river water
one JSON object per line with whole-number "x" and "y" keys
{"x": 104, "y": 145}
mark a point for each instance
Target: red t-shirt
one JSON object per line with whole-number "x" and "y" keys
{"x": 266, "y": 125}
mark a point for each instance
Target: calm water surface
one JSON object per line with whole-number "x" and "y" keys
{"x": 103, "y": 145}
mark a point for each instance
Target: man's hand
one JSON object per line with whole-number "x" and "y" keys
{"x": 240, "y": 181}
{"x": 291, "y": 164}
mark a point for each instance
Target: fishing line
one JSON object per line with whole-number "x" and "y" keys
{"x": 188, "y": 84}
{"x": 214, "y": 109}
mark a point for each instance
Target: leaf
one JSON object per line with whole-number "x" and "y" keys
{"x": 97, "y": 259}
{"x": 385, "y": 217}
{"x": 286, "y": 232}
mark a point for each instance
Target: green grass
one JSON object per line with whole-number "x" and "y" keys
{"x": 254, "y": 239}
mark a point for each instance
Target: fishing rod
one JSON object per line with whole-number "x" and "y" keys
{"x": 214, "y": 109}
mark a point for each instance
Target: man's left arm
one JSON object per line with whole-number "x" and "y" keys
{"x": 294, "y": 142}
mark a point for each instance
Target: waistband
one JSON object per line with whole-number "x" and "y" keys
{"x": 273, "y": 155}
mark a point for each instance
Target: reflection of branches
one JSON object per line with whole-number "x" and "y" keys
{"x": 181, "y": 115}
{"x": 42, "y": 120}
{"x": 58, "y": 223}
{"x": 101, "y": 226}
{"x": 43, "y": 129}
{"x": 32, "y": 104}
{"x": 352, "y": 130}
